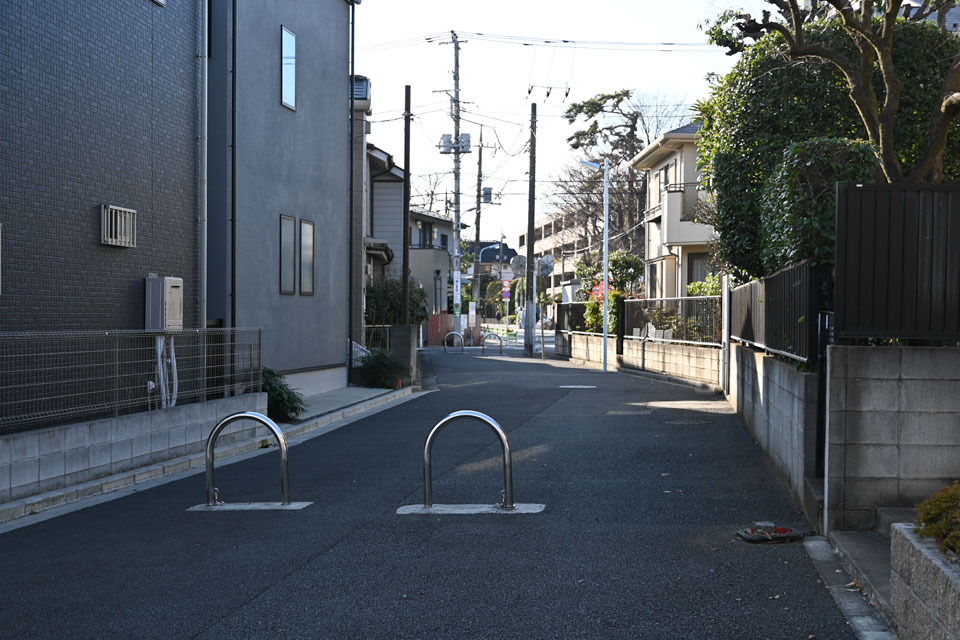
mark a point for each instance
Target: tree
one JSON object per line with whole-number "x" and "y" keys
{"x": 768, "y": 102}
{"x": 618, "y": 127}
{"x": 871, "y": 45}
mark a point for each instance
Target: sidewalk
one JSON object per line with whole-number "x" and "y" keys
{"x": 323, "y": 410}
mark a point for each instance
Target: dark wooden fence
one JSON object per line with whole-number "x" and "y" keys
{"x": 779, "y": 313}
{"x": 898, "y": 261}
{"x": 570, "y": 316}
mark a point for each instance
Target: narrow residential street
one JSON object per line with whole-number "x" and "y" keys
{"x": 644, "y": 484}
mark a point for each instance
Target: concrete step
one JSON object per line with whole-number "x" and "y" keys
{"x": 889, "y": 516}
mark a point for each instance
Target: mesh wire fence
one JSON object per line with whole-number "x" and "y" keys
{"x": 49, "y": 378}
{"x": 692, "y": 319}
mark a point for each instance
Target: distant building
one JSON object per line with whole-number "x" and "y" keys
{"x": 677, "y": 251}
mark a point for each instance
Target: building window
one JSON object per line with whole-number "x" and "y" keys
{"x": 443, "y": 240}
{"x": 288, "y": 255}
{"x": 698, "y": 265}
{"x": 306, "y": 258}
{"x": 288, "y": 69}
{"x": 652, "y": 281}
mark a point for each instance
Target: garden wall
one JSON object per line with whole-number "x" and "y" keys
{"x": 691, "y": 362}
{"x": 44, "y": 460}
{"x": 778, "y": 403}
{"x": 894, "y": 428}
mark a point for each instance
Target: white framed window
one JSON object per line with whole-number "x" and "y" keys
{"x": 288, "y": 68}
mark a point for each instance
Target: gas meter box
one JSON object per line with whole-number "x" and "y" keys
{"x": 164, "y": 304}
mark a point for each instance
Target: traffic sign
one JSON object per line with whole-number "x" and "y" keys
{"x": 506, "y": 294}
{"x": 506, "y": 284}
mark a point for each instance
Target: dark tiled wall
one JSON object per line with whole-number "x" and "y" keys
{"x": 98, "y": 105}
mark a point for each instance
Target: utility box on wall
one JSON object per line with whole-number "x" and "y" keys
{"x": 163, "y": 309}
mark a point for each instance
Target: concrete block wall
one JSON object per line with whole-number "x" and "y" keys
{"x": 894, "y": 428}
{"x": 778, "y": 403}
{"x": 35, "y": 462}
{"x": 681, "y": 360}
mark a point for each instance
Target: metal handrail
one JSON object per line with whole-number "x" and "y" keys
{"x": 483, "y": 339}
{"x": 504, "y": 442}
{"x": 453, "y": 333}
{"x": 213, "y": 492}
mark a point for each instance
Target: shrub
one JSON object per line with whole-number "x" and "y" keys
{"x": 381, "y": 369}
{"x": 709, "y": 286}
{"x": 939, "y": 518}
{"x": 800, "y": 199}
{"x": 284, "y": 404}
{"x": 385, "y": 301}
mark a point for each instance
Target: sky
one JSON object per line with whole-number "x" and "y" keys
{"x": 500, "y": 78}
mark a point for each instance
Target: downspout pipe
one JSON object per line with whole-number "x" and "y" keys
{"x": 350, "y": 249}
{"x": 203, "y": 139}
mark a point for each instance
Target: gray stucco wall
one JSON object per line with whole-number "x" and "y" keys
{"x": 98, "y": 105}
{"x": 291, "y": 163}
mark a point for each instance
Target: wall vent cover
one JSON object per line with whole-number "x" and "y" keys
{"x": 118, "y": 226}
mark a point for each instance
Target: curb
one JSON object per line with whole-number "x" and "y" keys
{"x": 36, "y": 504}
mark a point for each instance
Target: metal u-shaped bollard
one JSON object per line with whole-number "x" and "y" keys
{"x": 504, "y": 442}
{"x": 269, "y": 424}
{"x": 483, "y": 347}
{"x": 453, "y": 333}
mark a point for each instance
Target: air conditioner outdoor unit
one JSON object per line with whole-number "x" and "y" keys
{"x": 361, "y": 93}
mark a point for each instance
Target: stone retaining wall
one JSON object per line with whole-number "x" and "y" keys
{"x": 924, "y": 587}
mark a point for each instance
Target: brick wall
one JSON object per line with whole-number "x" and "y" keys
{"x": 98, "y": 105}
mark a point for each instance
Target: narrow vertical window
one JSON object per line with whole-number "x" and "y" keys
{"x": 288, "y": 255}
{"x": 306, "y": 258}
{"x": 288, "y": 69}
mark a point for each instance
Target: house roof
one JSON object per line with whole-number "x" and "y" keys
{"x": 382, "y": 166}
{"x": 664, "y": 145}
{"x": 423, "y": 214}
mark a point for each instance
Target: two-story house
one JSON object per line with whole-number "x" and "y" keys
{"x": 677, "y": 244}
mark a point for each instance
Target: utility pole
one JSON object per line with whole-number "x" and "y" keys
{"x": 405, "y": 268}
{"x": 456, "y": 181}
{"x": 529, "y": 310}
{"x": 477, "y": 294}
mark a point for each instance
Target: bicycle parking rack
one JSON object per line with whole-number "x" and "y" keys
{"x": 507, "y": 506}
{"x": 213, "y": 494}
{"x": 483, "y": 347}
{"x": 453, "y": 333}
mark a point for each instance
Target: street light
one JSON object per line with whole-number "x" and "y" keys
{"x": 606, "y": 238}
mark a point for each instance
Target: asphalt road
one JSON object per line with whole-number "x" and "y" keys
{"x": 645, "y": 484}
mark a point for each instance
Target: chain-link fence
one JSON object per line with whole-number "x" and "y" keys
{"x": 49, "y": 378}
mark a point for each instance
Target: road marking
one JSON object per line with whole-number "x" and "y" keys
{"x": 466, "y": 509}
{"x": 252, "y": 506}
{"x": 578, "y": 386}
